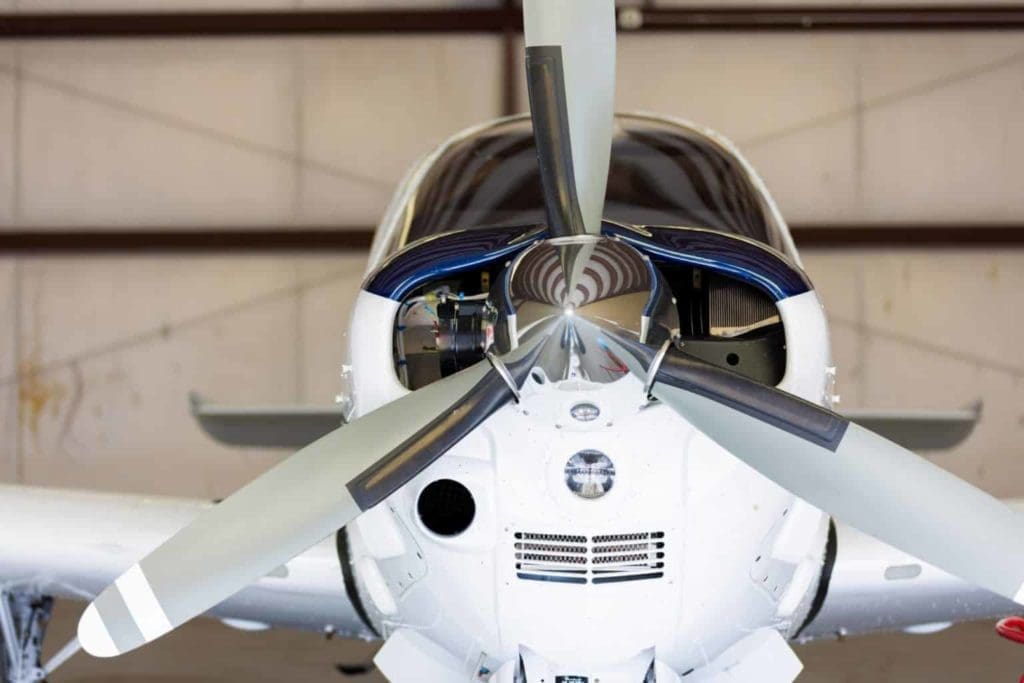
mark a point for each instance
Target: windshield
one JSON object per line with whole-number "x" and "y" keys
{"x": 661, "y": 174}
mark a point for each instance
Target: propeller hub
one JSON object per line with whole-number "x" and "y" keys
{"x": 579, "y": 280}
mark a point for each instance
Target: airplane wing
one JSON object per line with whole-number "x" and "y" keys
{"x": 270, "y": 426}
{"x": 868, "y": 586}
{"x": 73, "y": 544}
{"x": 294, "y": 425}
{"x": 920, "y": 429}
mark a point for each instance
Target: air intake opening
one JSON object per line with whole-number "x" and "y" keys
{"x": 728, "y": 323}
{"x": 446, "y": 507}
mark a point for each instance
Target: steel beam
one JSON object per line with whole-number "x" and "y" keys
{"x": 826, "y": 18}
{"x": 504, "y": 19}
{"x": 358, "y": 238}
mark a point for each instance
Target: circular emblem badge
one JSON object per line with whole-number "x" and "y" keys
{"x": 585, "y": 412}
{"x": 589, "y": 474}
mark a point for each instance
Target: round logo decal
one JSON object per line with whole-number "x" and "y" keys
{"x": 589, "y": 474}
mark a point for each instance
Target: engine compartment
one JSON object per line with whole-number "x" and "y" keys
{"x": 447, "y": 324}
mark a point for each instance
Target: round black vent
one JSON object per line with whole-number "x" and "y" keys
{"x": 446, "y": 507}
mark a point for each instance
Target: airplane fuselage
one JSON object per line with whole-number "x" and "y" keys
{"x": 493, "y": 561}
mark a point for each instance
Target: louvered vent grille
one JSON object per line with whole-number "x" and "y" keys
{"x": 737, "y": 308}
{"x": 609, "y": 558}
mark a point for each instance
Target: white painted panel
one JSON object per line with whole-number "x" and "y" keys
{"x": 239, "y": 132}
{"x": 813, "y": 176}
{"x": 324, "y": 309}
{"x": 838, "y": 277}
{"x": 934, "y": 329}
{"x": 956, "y": 153}
{"x": 968, "y": 301}
{"x": 845, "y": 127}
{"x": 744, "y": 86}
{"x": 990, "y": 457}
{"x": 90, "y": 306}
{"x": 120, "y": 421}
{"x": 852, "y": 127}
{"x": 241, "y": 89}
{"x": 908, "y": 64}
{"x": 328, "y": 196}
{"x": 783, "y": 99}
{"x": 114, "y": 345}
{"x": 960, "y": 304}
{"x": 8, "y": 369}
{"x": 375, "y": 107}
{"x": 848, "y": 345}
{"x": 8, "y": 159}
{"x": 943, "y": 133}
{"x": 128, "y": 133}
{"x": 8, "y": 316}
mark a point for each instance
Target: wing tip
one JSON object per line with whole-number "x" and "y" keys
{"x": 94, "y": 636}
{"x": 1019, "y": 596}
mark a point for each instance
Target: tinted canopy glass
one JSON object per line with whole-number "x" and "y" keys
{"x": 661, "y": 174}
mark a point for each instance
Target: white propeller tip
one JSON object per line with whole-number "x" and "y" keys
{"x": 94, "y": 636}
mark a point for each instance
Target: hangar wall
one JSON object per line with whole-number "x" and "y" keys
{"x": 99, "y": 350}
{"x": 280, "y": 133}
{"x": 313, "y": 131}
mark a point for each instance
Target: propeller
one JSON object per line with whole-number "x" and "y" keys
{"x": 842, "y": 468}
{"x": 301, "y": 501}
{"x": 324, "y": 486}
{"x": 570, "y": 75}
{"x": 569, "y": 318}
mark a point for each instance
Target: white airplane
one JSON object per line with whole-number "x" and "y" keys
{"x": 587, "y": 438}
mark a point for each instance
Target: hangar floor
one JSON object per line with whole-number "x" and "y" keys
{"x": 208, "y": 652}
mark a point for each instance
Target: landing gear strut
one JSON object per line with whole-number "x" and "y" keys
{"x": 23, "y": 621}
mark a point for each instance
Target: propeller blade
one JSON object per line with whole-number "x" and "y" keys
{"x": 850, "y": 472}
{"x": 570, "y": 73}
{"x": 309, "y": 496}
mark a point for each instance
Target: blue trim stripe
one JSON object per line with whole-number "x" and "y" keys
{"x": 652, "y": 300}
{"x": 450, "y": 253}
{"x": 447, "y": 254}
{"x": 720, "y": 252}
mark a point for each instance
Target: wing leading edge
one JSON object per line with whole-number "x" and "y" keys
{"x": 266, "y": 426}
{"x": 61, "y": 545}
{"x": 869, "y": 586}
{"x": 73, "y": 544}
{"x": 294, "y": 426}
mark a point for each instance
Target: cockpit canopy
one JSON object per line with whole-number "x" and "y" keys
{"x": 706, "y": 229}
{"x": 661, "y": 173}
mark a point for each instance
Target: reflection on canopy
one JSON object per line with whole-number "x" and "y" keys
{"x": 661, "y": 174}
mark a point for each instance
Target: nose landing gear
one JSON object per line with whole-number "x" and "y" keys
{"x": 23, "y": 621}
